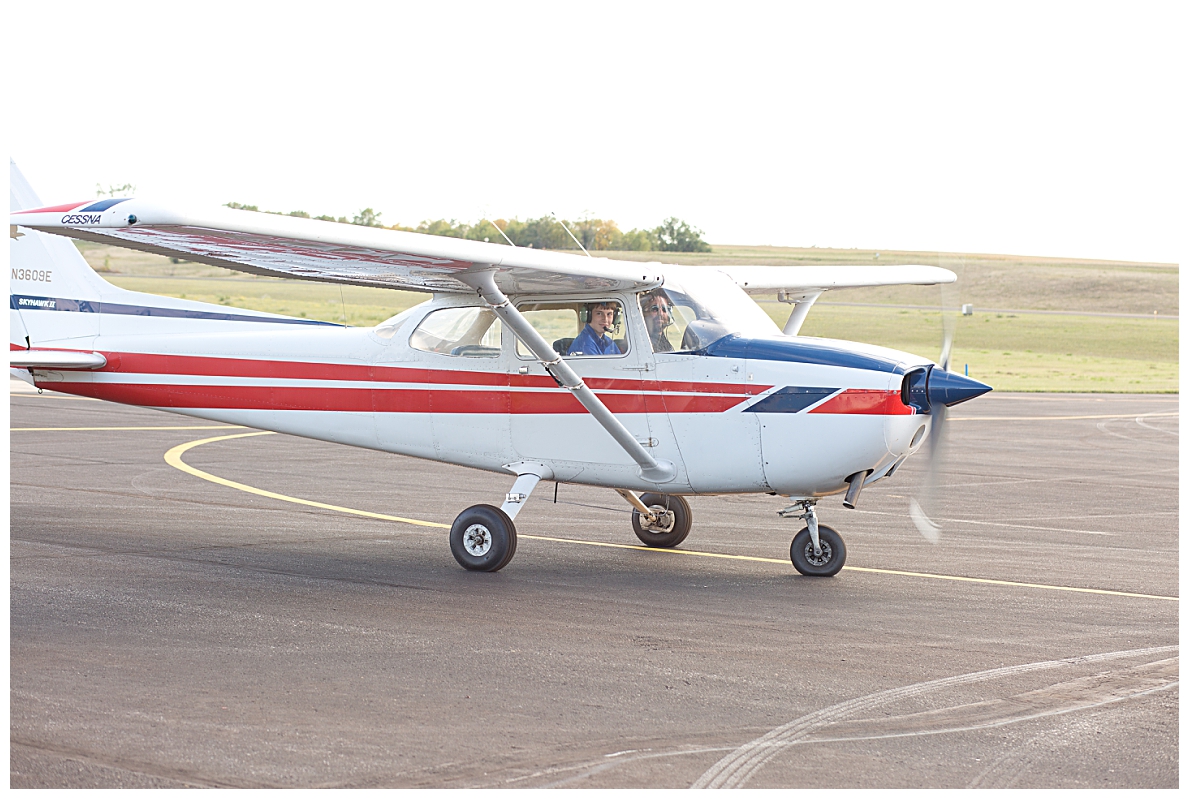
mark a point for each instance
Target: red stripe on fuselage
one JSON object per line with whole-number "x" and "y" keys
{"x": 54, "y": 209}
{"x": 877, "y": 402}
{"x": 380, "y": 400}
{"x": 142, "y": 363}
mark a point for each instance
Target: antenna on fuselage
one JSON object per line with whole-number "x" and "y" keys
{"x": 566, "y": 229}
{"x": 497, "y": 227}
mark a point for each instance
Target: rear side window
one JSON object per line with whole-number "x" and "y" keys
{"x": 466, "y": 332}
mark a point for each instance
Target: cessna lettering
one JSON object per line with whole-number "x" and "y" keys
{"x": 81, "y": 219}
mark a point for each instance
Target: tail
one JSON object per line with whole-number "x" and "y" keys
{"x": 48, "y": 274}
{"x": 59, "y": 306}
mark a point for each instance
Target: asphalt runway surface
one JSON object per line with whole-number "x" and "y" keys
{"x": 171, "y": 631}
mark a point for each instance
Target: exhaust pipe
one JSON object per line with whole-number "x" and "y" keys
{"x": 856, "y": 485}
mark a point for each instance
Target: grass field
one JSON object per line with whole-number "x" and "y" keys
{"x": 1012, "y": 351}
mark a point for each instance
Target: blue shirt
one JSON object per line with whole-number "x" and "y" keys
{"x": 588, "y": 343}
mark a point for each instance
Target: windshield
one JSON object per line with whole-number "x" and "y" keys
{"x": 706, "y": 305}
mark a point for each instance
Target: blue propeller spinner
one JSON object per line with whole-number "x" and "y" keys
{"x": 929, "y": 385}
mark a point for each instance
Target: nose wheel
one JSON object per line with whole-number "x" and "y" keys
{"x": 823, "y": 561}
{"x": 817, "y": 551}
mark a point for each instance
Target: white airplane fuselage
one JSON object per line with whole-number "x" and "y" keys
{"x": 788, "y": 415}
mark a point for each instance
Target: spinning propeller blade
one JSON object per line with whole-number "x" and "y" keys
{"x": 944, "y": 388}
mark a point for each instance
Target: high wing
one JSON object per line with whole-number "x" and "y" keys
{"x": 309, "y": 249}
{"x": 802, "y": 282}
{"x": 802, "y": 285}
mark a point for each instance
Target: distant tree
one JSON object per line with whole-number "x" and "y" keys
{"x": 442, "y": 227}
{"x": 302, "y": 214}
{"x": 368, "y": 218}
{"x": 115, "y": 191}
{"x": 598, "y": 234}
{"x": 241, "y": 206}
{"x": 543, "y": 233}
{"x": 637, "y": 240}
{"x": 674, "y": 235}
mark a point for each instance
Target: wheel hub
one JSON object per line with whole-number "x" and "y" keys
{"x": 476, "y": 540}
{"x": 818, "y": 560}
{"x": 665, "y": 519}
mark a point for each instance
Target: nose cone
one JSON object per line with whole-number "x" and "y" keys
{"x": 949, "y": 389}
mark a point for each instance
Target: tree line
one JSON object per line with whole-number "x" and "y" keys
{"x": 543, "y": 233}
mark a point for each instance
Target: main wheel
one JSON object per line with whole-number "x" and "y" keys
{"x": 826, "y": 564}
{"x": 483, "y": 538}
{"x": 673, "y": 520}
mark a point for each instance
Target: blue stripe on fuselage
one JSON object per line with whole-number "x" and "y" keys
{"x": 798, "y": 350}
{"x": 20, "y": 302}
{"x": 791, "y": 399}
{"x": 102, "y": 205}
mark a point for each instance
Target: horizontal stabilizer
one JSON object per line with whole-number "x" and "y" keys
{"x": 56, "y": 359}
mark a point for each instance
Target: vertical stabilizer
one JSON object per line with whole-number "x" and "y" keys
{"x": 47, "y": 274}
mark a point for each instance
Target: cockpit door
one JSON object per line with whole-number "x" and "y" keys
{"x": 550, "y": 425}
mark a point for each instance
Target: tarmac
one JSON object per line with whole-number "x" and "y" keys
{"x": 222, "y": 615}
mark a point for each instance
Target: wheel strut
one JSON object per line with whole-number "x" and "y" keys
{"x": 806, "y": 506}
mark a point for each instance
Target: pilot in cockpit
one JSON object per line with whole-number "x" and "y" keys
{"x": 658, "y": 315}
{"x": 595, "y": 338}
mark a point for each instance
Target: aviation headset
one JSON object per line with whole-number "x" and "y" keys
{"x": 584, "y": 315}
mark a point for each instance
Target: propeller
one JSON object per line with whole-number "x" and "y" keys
{"x": 941, "y": 389}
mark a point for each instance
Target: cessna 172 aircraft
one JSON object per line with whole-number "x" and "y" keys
{"x": 653, "y": 380}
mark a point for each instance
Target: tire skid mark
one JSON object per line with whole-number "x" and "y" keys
{"x": 734, "y": 770}
{"x": 1139, "y": 420}
{"x": 1007, "y": 770}
{"x": 1102, "y": 427}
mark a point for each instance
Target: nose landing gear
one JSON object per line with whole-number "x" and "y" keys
{"x": 817, "y": 550}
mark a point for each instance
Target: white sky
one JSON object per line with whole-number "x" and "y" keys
{"x": 1031, "y": 128}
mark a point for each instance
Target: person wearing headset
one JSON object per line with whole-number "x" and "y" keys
{"x": 595, "y": 338}
{"x": 658, "y": 315}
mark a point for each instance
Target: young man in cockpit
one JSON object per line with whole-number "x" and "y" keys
{"x": 595, "y": 338}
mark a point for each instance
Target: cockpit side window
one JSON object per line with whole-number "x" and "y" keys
{"x": 466, "y": 332}
{"x": 576, "y": 328}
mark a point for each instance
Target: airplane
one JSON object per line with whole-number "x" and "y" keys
{"x": 657, "y": 381}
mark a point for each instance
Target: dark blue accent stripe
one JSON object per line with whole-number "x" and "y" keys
{"x": 798, "y": 350}
{"x": 791, "y": 399}
{"x": 19, "y": 302}
{"x": 102, "y": 205}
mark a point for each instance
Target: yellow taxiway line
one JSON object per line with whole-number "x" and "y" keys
{"x": 1055, "y": 418}
{"x": 77, "y": 429}
{"x": 174, "y": 458}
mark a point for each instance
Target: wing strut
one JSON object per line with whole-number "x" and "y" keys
{"x": 801, "y": 306}
{"x": 651, "y": 469}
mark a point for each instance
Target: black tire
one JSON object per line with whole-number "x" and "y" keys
{"x": 483, "y": 539}
{"x": 675, "y": 526}
{"x": 832, "y": 557}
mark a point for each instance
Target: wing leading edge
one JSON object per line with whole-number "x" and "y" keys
{"x": 310, "y": 249}
{"x": 801, "y": 282}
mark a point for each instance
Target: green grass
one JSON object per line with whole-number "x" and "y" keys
{"x": 356, "y": 305}
{"x": 1019, "y": 352}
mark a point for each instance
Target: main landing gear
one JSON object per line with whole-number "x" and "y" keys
{"x": 659, "y": 520}
{"x": 483, "y": 537}
{"x": 818, "y": 550}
